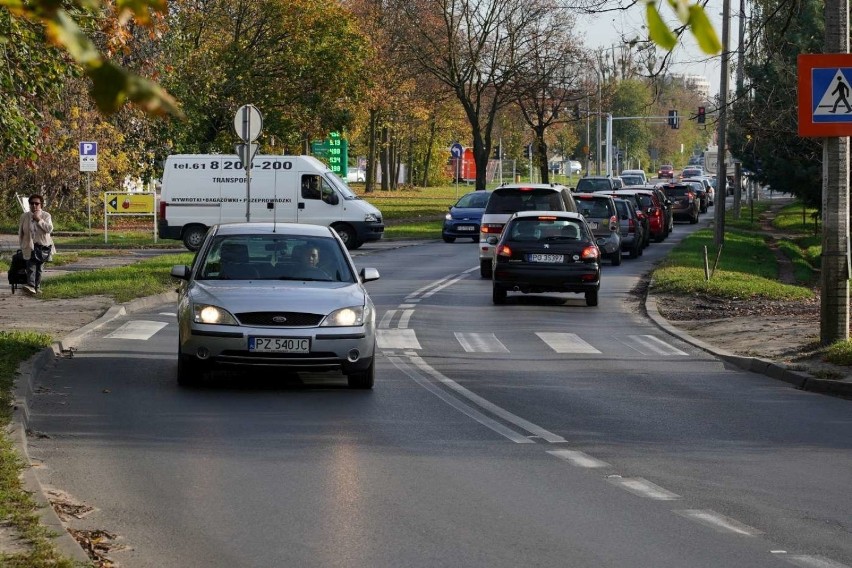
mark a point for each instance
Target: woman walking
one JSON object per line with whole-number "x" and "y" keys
{"x": 35, "y": 241}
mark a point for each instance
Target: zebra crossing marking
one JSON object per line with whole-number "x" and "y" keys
{"x": 480, "y": 342}
{"x": 566, "y": 342}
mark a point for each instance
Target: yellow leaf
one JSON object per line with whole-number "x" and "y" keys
{"x": 658, "y": 31}
{"x": 703, "y": 30}
{"x": 681, "y": 8}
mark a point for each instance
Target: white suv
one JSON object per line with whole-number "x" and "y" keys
{"x": 511, "y": 198}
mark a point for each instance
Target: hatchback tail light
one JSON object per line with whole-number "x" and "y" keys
{"x": 504, "y": 250}
{"x": 631, "y": 226}
{"x": 590, "y": 253}
{"x": 491, "y": 228}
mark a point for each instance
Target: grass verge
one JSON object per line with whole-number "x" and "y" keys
{"x": 17, "y": 507}
{"x": 747, "y": 268}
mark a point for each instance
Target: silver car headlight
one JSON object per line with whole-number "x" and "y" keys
{"x": 448, "y": 217}
{"x": 205, "y": 313}
{"x": 345, "y": 317}
{"x": 370, "y": 218}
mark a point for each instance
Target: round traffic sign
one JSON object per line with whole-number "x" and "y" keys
{"x": 456, "y": 150}
{"x": 248, "y": 123}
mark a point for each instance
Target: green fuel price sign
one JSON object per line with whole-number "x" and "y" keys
{"x": 334, "y": 151}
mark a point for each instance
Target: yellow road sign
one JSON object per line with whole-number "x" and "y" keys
{"x": 129, "y": 203}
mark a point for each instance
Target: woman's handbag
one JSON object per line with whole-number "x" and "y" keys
{"x": 42, "y": 253}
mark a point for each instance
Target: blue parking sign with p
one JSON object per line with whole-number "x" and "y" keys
{"x": 88, "y": 156}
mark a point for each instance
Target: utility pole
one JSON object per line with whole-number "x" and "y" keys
{"x": 834, "y": 299}
{"x": 721, "y": 167}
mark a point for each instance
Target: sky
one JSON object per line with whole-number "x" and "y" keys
{"x": 605, "y": 30}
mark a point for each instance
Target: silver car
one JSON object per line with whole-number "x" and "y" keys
{"x": 285, "y": 295}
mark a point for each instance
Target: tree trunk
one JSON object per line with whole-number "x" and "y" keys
{"x": 370, "y": 177}
{"x": 383, "y": 159}
{"x": 428, "y": 161}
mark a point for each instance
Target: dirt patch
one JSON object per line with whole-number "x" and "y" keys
{"x": 57, "y": 318}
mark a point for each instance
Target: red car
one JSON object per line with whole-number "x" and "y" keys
{"x": 666, "y": 171}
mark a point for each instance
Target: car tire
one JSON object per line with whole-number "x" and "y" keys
{"x": 592, "y": 298}
{"x": 659, "y": 237}
{"x": 616, "y": 257}
{"x": 189, "y": 372}
{"x": 193, "y": 236}
{"x": 448, "y": 239}
{"x": 693, "y": 220}
{"x": 347, "y": 235}
{"x": 475, "y": 239}
{"x": 485, "y": 268}
{"x": 636, "y": 251}
{"x": 363, "y": 380}
{"x": 498, "y": 294}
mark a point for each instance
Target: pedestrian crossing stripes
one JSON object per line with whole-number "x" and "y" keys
{"x": 559, "y": 342}
{"x": 139, "y": 329}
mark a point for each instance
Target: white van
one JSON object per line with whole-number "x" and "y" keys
{"x": 200, "y": 190}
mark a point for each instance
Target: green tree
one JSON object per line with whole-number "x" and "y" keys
{"x": 298, "y": 61}
{"x": 763, "y": 132}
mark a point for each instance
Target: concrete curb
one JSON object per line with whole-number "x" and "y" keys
{"x": 28, "y": 373}
{"x": 799, "y": 379}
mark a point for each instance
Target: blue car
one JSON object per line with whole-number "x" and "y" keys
{"x": 464, "y": 217}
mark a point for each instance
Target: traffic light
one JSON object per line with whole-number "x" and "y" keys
{"x": 529, "y": 151}
{"x": 673, "y": 119}
{"x": 498, "y": 152}
{"x": 576, "y": 111}
{"x": 701, "y": 115}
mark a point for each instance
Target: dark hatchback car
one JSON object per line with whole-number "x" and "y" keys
{"x": 631, "y": 226}
{"x": 666, "y": 171}
{"x": 546, "y": 252}
{"x": 685, "y": 204}
{"x": 657, "y": 207}
{"x": 464, "y": 217}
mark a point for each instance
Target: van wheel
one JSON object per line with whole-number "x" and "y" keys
{"x": 193, "y": 237}
{"x": 616, "y": 258}
{"x": 485, "y": 268}
{"x": 347, "y": 235}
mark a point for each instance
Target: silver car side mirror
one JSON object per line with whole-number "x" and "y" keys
{"x": 180, "y": 271}
{"x": 368, "y": 274}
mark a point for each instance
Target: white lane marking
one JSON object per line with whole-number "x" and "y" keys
{"x": 412, "y": 300}
{"x": 173, "y": 314}
{"x": 480, "y": 343}
{"x": 578, "y": 459}
{"x": 140, "y": 330}
{"x": 806, "y": 561}
{"x": 404, "y": 306}
{"x": 566, "y": 342}
{"x": 397, "y": 339}
{"x": 650, "y": 345}
{"x": 426, "y": 287}
{"x": 469, "y": 270}
{"x": 487, "y": 405}
{"x": 718, "y": 521}
{"x": 404, "y": 318}
{"x": 386, "y": 319}
{"x": 442, "y": 286}
{"x": 644, "y": 488}
{"x": 516, "y": 437}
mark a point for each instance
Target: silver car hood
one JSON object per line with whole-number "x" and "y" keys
{"x": 275, "y": 296}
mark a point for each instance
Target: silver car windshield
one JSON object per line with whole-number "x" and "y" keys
{"x": 275, "y": 257}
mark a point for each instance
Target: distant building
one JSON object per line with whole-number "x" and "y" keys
{"x": 697, "y": 83}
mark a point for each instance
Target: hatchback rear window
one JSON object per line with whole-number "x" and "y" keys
{"x": 596, "y": 208}
{"x": 591, "y": 185}
{"x": 532, "y": 229}
{"x": 677, "y": 191}
{"x": 512, "y": 200}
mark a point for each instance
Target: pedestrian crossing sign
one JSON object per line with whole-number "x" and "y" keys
{"x": 825, "y": 95}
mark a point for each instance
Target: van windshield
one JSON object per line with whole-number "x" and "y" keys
{"x": 342, "y": 188}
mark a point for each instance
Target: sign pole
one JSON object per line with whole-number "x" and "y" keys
{"x": 89, "y": 198}
{"x": 247, "y": 163}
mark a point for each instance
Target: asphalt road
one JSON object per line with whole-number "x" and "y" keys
{"x": 538, "y": 433}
